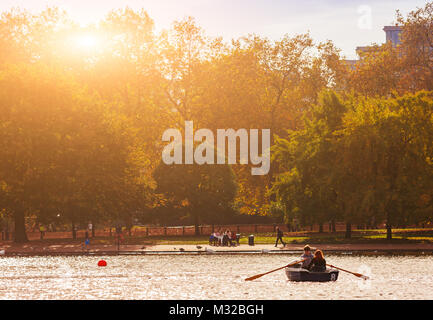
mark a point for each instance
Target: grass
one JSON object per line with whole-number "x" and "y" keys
{"x": 358, "y": 236}
{"x": 383, "y": 236}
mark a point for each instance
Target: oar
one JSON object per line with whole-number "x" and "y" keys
{"x": 262, "y": 274}
{"x": 354, "y": 273}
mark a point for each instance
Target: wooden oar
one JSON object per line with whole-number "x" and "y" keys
{"x": 262, "y": 274}
{"x": 354, "y": 273}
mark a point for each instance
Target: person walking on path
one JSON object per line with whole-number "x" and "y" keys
{"x": 42, "y": 230}
{"x": 90, "y": 227}
{"x": 87, "y": 240}
{"x": 279, "y": 237}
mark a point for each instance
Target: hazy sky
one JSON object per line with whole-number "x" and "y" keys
{"x": 348, "y": 23}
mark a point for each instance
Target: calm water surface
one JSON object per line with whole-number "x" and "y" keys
{"x": 209, "y": 277}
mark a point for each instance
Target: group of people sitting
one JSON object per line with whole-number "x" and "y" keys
{"x": 226, "y": 238}
{"x": 316, "y": 262}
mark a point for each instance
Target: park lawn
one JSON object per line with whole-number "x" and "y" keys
{"x": 271, "y": 240}
{"x": 375, "y": 236}
{"x": 383, "y": 236}
{"x": 427, "y": 231}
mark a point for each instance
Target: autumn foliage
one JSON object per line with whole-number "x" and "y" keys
{"x": 83, "y": 109}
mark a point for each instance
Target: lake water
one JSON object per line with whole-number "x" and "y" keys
{"x": 209, "y": 277}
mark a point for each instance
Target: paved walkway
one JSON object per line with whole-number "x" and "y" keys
{"x": 65, "y": 248}
{"x": 299, "y": 247}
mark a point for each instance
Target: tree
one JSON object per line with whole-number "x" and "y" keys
{"x": 204, "y": 191}
{"x": 384, "y": 157}
{"x": 62, "y": 150}
{"x": 378, "y": 72}
{"x": 405, "y": 68}
{"x": 417, "y": 48}
{"x": 307, "y": 161}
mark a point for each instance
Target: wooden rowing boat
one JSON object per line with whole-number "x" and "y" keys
{"x": 300, "y": 274}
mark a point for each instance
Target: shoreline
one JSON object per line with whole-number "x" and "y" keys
{"x": 27, "y": 250}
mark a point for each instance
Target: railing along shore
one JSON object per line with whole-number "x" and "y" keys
{"x": 142, "y": 231}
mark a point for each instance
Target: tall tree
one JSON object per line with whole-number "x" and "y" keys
{"x": 205, "y": 191}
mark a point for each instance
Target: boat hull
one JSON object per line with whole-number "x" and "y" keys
{"x": 298, "y": 274}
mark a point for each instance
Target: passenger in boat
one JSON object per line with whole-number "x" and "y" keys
{"x": 308, "y": 256}
{"x": 318, "y": 264}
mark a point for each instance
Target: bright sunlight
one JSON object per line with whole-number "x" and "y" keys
{"x": 86, "y": 41}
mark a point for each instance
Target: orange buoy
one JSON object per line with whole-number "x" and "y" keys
{"x": 102, "y": 263}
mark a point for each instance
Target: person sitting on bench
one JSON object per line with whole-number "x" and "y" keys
{"x": 227, "y": 238}
{"x": 213, "y": 240}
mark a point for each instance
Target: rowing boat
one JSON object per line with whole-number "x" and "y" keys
{"x": 300, "y": 274}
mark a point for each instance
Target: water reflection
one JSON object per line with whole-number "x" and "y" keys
{"x": 209, "y": 277}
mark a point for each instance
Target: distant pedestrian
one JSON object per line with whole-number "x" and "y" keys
{"x": 42, "y": 231}
{"x": 279, "y": 237}
{"x": 89, "y": 227}
{"x": 119, "y": 234}
{"x": 86, "y": 241}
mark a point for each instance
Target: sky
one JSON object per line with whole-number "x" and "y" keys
{"x": 348, "y": 23}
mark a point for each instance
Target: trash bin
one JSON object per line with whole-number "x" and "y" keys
{"x": 251, "y": 240}
{"x": 238, "y": 236}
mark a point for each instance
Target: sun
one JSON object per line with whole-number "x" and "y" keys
{"x": 86, "y": 41}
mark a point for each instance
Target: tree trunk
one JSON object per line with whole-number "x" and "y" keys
{"x": 74, "y": 232}
{"x": 7, "y": 231}
{"x": 348, "y": 230}
{"x": 388, "y": 226}
{"x": 321, "y": 228}
{"x": 196, "y": 223}
{"x": 388, "y": 232}
{"x": 334, "y": 229}
{"x": 20, "y": 227}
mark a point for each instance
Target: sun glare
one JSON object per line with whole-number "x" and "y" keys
{"x": 86, "y": 42}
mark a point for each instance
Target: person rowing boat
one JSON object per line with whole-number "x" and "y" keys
{"x": 307, "y": 257}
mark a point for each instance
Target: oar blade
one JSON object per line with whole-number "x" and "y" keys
{"x": 254, "y": 277}
{"x": 362, "y": 276}
{"x": 262, "y": 274}
{"x": 354, "y": 273}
